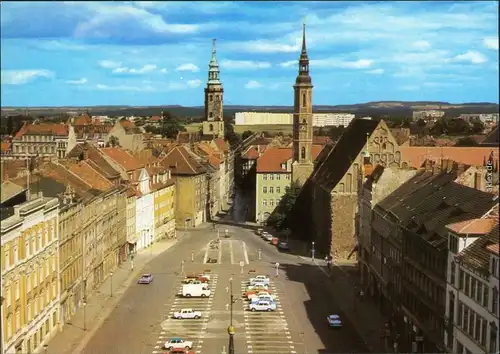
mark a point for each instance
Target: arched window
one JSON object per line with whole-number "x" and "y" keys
{"x": 304, "y": 121}
{"x": 304, "y": 99}
{"x": 211, "y": 127}
{"x": 303, "y": 153}
{"x": 211, "y": 98}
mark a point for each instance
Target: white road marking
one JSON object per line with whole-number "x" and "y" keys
{"x": 219, "y": 259}
{"x": 245, "y": 254}
{"x": 231, "y": 252}
{"x": 205, "y": 259}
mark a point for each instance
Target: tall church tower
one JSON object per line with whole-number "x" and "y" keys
{"x": 214, "y": 93}
{"x": 302, "y": 165}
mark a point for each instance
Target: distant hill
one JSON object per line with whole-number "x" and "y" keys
{"x": 379, "y": 108}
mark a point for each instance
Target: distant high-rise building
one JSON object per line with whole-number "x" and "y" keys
{"x": 214, "y": 93}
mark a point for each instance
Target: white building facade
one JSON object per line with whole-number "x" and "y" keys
{"x": 269, "y": 118}
{"x": 472, "y": 287}
{"x": 144, "y": 213}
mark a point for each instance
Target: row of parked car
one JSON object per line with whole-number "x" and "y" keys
{"x": 259, "y": 295}
{"x": 281, "y": 244}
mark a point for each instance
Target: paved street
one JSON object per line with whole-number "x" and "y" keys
{"x": 142, "y": 321}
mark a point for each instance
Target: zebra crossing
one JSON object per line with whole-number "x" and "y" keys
{"x": 187, "y": 329}
{"x": 267, "y": 332}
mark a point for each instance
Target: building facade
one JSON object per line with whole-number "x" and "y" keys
{"x": 213, "y": 125}
{"x": 472, "y": 287}
{"x": 164, "y": 195}
{"x": 272, "y": 118}
{"x": 30, "y": 276}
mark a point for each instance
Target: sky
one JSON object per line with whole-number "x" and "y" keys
{"x": 157, "y": 53}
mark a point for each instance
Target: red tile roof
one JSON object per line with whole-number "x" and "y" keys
{"x": 156, "y": 119}
{"x": 221, "y": 145}
{"x": 320, "y": 140}
{"x": 91, "y": 176}
{"x": 251, "y": 154}
{"x": 474, "y": 226}
{"x": 272, "y": 158}
{"x": 127, "y": 123}
{"x": 42, "y": 129}
{"x": 474, "y": 156}
{"x": 180, "y": 162}
{"x": 122, "y": 158}
{"x": 84, "y": 119}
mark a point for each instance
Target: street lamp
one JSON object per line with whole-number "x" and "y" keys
{"x": 84, "y": 315}
{"x": 111, "y": 284}
{"x": 231, "y": 330}
{"x": 312, "y": 251}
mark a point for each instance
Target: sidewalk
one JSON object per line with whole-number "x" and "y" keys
{"x": 73, "y": 338}
{"x": 362, "y": 313}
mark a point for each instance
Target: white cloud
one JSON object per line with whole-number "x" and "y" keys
{"x": 81, "y": 81}
{"x": 20, "y": 77}
{"x": 472, "y": 57}
{"x": 375, "y": 71}
{"x": 421, "y": 45}
{"x": 124, "y": 88}
{"x": 341, "y": 64}
{"x": 289, "y": 63}
{"x": 252, "y": 84}
{"x": 491, "y": 43}
{"x": 264, "y": 46}
{"x": 245, "y": 64}
{"x": 145, "y": 69}
{"x": 164, "y": 71}
{"x": 188, "y": 67}
{"x": 194, "y": 83}
{"x": 109, "y": 64}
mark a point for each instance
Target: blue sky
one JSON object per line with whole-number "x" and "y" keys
{"x": 157, "y": 53}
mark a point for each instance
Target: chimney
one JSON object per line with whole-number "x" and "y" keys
{"x": 478, "y": 181}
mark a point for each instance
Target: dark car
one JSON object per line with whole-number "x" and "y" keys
{"x": 283, "y": 245}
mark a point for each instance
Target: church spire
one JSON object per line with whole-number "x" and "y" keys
{"x": 303, "y": 77}
{"x": 213, "y": 67}
{"x": 303, "y": 54}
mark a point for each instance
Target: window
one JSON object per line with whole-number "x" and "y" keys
{"x": 486, "y": 298}
{"x": 17, "y": 290}
{"x": 211, "y": 97}
{"x": 8, "y": 296}
{"x": 453, "y": 244}
{"x": 452, "y": 273}
{"x": 470, "y": 330}
{"x": 277, "y": 202}
{"x": 288, "y": 176}
{"x": 467, "y": 284}
{"x": 278, "y": 176}
{"x": 271, "y": 202}
{"x": 461, "y": 280}
{"x": 465, "y": 323}
{"x": 303, "y": 153}
{"x": 265, "y": 176}
{"x": 473, "y": 288}
{"x": 18, "y": 321}
{"x": 271, "y": 189}
{"x": 278, "y": 190}
{"x": 477, "y": 328}
{"x": 264, "y": 189}
{"x": 210, "y": 114}
{"x": 493, "y": 337}
{"x": 54, "y": 319}
{"x": 304, "y": 100}
{"x": 264, "y": 202}
{"x": 479, "y": 293}
{"x": 494, "y": 301}
{"x": 7, "y": 260}
{"x": 271, "y": 176}
{"x": 16, "y": 254}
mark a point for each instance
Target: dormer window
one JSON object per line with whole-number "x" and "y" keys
{"x": 283, "y": 166}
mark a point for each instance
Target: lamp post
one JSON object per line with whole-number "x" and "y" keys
{"x": 312, "y": 251}
{"x": 84, "y": 315}
{"x": 111, "y": 284}
{"x": 231, "y": 330}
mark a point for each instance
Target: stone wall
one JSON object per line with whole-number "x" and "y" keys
{"x": 343, "y": 213}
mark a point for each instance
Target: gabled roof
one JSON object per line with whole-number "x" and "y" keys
{"x": 94, "y": 158}
{"x": 123, "y": 158}
{"x": 477, "y": 255}
{"x": 90, "y": 175}
{"x": 492, "y": 139}
{"x": 473, "y": 227}
{"x": 251, "y": 154}
{"x": 83, "y": 119}
{"x": 343, "y": 154}
{"x": 221, "y": 145}
{"x": 42, "y": 129}
{"x": 180, "y": 162}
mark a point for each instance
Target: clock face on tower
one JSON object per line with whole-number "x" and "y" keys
{"x": 303, "y": 127}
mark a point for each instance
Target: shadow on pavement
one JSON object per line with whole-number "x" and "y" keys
{"x": 324, "y": 300}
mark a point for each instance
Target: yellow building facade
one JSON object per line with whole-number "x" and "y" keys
{"x": 30, "y": 276}
{"x": 164, "y": 209}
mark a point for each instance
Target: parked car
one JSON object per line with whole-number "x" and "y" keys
{"x": 283, "y": 245}
{"x": 145, "y": 279}
{"x": 186, "y": 314}
{"x": 250, "y": 293}
{"x": 259, "y": 232}
{"x": 257, "y": 287}
{"x": 264, "y": 296}
{"x": 260, "y": 279}
{"x": 178, "y": 343}
{"x": 334, "y": 321}
{"x": 195, "y": 281}
{"x": 269, "y": 238}
{"x": 195, "y": 290}
{"x": 262, "y": 306}
{"x": 264, "y": 234}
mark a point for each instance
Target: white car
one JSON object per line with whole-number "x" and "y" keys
{"x": 262, "y": 306}
{"x": 261, "y": 296}
{"x": 260, "y": 279}
{"x": 187, "y": 313}
{"x": 259, "y": 286}
{"x": 178, "y": 343}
